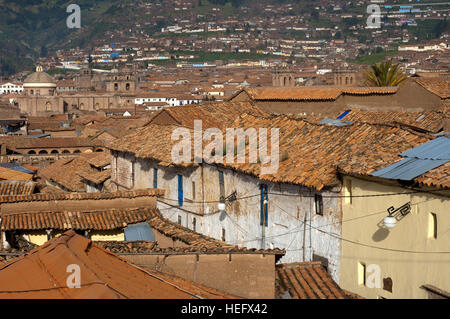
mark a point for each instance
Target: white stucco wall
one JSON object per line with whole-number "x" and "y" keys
{"x": 241, "y": 222}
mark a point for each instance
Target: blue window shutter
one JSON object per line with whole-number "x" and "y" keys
{"x": 262, "y": 204}
{"x": 267, "y": 205}
{"x": 180, "y": 190}
{"x": 155, "y": 178}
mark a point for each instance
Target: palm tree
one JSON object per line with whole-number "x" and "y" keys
{"x": 384, "y": 74}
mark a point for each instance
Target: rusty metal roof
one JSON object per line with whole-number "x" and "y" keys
{"x": 43, "y": 274}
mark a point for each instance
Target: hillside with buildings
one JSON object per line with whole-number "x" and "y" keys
{"x": 202, "y": 30}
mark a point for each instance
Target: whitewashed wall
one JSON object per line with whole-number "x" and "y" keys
{"x": 241, "y": 222}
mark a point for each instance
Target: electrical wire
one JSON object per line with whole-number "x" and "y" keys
{"x": 312, "y": 196}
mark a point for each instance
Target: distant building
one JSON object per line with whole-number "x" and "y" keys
{"x": 42, "y": 97}
{"x": 11, "y": 88}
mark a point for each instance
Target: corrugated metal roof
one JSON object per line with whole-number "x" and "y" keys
{"x": 437, "y": 149}
{"x": 418, "y": 161}
{"x": 139, "y": 232}
{"x": 335, "y": 122}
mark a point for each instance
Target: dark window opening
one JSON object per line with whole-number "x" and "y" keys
{"x": 221, "y": 185}
{"x": 155, "y": 178}
{"x": 319, "y": 204}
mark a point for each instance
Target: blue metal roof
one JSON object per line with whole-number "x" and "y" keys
{"x": 335, "y": 122}
{"x": 419, "y": 160}
{"x": 16, "y": 167}
{"x": 139, "y": 232}
{"x": 437, "y": 149}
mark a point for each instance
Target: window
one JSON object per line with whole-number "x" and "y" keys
{"x": 432, "y": 226}
{"x": 319, "y": 204}
{"x": 194, "y": 224}
{"x": 361, "y": 274}
{"x": 155, "y": 178}
{"x": 193, "y": 190}
{"x": 133, "y": 163}
{"x": 180, "y": 190}
{"x": 348, "y": 191}
{"x": 223, "y": 234}
{"x": 221, "y": 185}
{"x": 179, "y": 219}
{"x": 264, "y": 206}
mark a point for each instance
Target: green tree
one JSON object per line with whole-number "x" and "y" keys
{"x": 384, "y": 74}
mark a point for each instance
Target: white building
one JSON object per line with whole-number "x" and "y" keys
{"x": 171, "y": 100}
{"x": 11, "y": 88}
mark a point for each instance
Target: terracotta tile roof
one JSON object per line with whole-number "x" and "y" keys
{"x": 110, "y": 219}
{"x": 67, "y": 172}
{"x": 153, "y": 142}
{"x": 115, "y": 127}
{"x": 301, "y": 93}
{"x": 13, "y": 175}
{"x": 429, "y": 121}
{"x": 439, "y": 86}
{"x": 438, "y": 177}
{"x": 306, "y": 280}
{"x": 17, "y": 188}
{"x": 97, "y": 177}
{"x": 65, "y": 83}
{"x": 368, "y": 90}
{"x": 211, "y": 114}
{"x": 312, "y": 93}
{"x": 41, "y": 274}
{"x": 19, "y": 142}
{"x": 101, "y": 160}
{"x": 311, "y": 152}
{"x": 61, "y": 197}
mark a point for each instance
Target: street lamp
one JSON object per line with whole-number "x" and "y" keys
{"x": 389, "y": 222}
